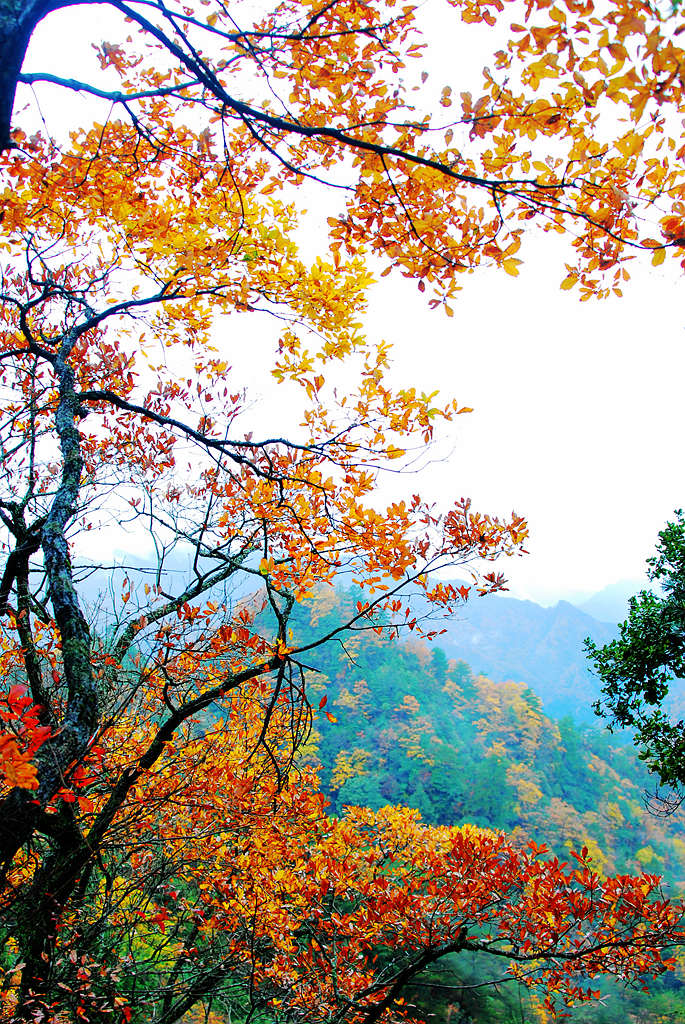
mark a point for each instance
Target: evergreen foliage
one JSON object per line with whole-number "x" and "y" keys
{"x": 639, "y": 666}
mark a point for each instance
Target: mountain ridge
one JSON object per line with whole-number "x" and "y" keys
{"x": 508, "y": 638}
{"x": 611, "y": 603}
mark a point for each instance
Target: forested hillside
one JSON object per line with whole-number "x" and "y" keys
{"x": 507, "y": 638}
{"x": 411, "y": 726}
{"x": 416, "y": 728}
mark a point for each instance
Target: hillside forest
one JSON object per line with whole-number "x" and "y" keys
{"x": 416, "y": 728}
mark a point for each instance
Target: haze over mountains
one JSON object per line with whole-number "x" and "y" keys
{"x": 508, "y": 638}
{"x": 501, "y": 637}
{"x": 611, "y": 603}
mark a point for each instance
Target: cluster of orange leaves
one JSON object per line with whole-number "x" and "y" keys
{"x": 604, "y": 83}
{"x": 23, "y": 737}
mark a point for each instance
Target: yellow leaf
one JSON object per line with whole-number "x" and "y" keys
{"x": 658, "y": 257}
{"x": 630, "y": 144}
{"x": 511, "y": 267}
{"x": 569, "y": 282}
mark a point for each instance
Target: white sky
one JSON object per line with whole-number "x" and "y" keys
{"x": 578, "y": 420}
{"x": 578, "y": 413}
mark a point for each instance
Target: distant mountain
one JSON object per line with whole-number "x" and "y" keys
{"x": 505, "y": 638}
{"x": 611, "y": 603}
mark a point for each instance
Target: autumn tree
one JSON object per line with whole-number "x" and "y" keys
{"x": 162, "y": 849}
{"x": 121, "y": 258}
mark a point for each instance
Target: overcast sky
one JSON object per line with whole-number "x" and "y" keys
{"x": 578, "y": 420}
{"x": 578, "y": 413}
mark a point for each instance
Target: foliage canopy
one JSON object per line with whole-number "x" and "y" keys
{"x": 574, "y": 128}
